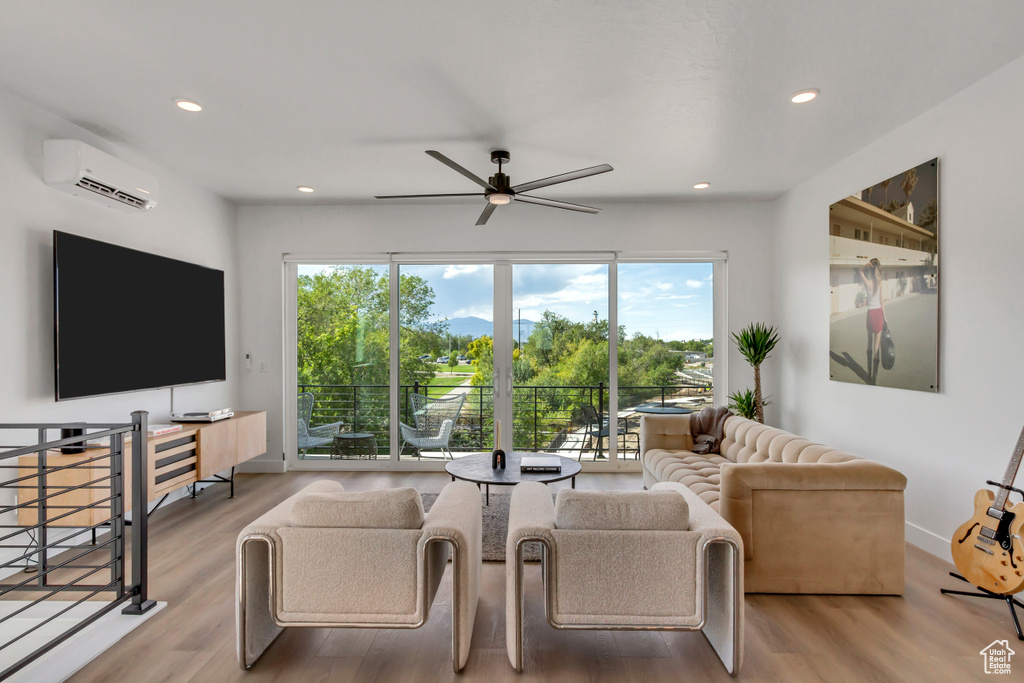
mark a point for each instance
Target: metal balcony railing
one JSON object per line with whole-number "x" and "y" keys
{"x": 545, "y": 418}
{"x": 63, "y": 547}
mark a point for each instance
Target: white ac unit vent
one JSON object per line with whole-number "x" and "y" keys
{"x": 84, "y": 171}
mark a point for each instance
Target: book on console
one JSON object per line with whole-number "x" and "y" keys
{"x": 540, "y": 463}
{"x": 161, "y": 429}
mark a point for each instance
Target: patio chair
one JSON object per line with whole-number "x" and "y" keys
{"x": 435, "y": 419}
{"x": 331, "y": 558}
{"x": 658, "y": 560}
{"x": 596, "y": 428}
{"x": 313, "y": 437}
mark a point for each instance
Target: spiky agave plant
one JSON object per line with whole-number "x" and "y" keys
{"x": 756, "y": 341}
{"x": 742, "y": 403}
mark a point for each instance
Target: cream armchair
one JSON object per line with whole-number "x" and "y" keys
{"x": 627, "y": 560}
{"x": 372, "y": 559}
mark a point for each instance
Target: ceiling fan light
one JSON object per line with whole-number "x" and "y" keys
{"x": 499, "y": 198}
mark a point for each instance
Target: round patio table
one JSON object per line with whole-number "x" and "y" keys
{"x": 477, "y": 469}
{"x": 662, "y": 409}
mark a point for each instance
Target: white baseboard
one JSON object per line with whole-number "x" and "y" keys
{"x": 929, "y": 542}
{"x": 263, "y": 467}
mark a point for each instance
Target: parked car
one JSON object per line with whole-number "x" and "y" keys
{"x": 463, "y": 358}
{"x": 443, "y": 360}
{"x": 425, "y": 357}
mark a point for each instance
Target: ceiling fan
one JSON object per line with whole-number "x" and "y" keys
{"x": 499, "y": 191}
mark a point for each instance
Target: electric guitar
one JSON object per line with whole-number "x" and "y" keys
{"x": 987, "y": 549}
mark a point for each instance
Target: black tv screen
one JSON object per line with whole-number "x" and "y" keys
{"x": 126, "y": 320}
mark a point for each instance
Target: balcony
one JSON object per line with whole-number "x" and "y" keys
{"x": 545, "y": 418}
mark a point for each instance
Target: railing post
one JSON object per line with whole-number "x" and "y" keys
{"x": 480, "y": 414}
{"x": 117, "y": 509}
{"x": 355, "y": 408}
{"x": 140, "y": 517}
{"x": 535, "y": 419}
{"x": 42, "y": 516}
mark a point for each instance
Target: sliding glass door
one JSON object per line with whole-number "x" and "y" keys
{"x": 446, "y": 333}
{"x": 343, "y": 361}
{"x": 560, "y": 362}
{"x": 666, "y": 337}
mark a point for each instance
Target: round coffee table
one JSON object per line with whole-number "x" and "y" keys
{"x": 477, "y": 469}
{"x": 662, "y": 409}
{"x": 354, "y": 445}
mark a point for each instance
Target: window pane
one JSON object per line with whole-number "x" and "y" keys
{"x": 666, "y": 325}
{"x": 447, "y": 359}
{"x": 560, "y": 362}
{"x": 343, "y": 356}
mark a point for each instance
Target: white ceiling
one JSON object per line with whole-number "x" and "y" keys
{"x": 345, "y": 96}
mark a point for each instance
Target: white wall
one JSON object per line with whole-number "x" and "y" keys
{"x": 188, "y": 224}
{"x": 266, "y": 233}
{"x": 949, "y": 443}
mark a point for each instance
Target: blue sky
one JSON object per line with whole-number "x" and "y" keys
{"x": 670, "y": 301}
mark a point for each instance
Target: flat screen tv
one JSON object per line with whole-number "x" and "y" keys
{"x": 125, "y": 320}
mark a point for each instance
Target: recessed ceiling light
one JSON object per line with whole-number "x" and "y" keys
{"x": 702, "y": 186}
{"x": 804, "y": 96}
{"x": 304, "y": 188}
{"x": 189, "y": 105}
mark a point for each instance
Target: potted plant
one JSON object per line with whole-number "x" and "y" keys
{"x": 755, "y": 341}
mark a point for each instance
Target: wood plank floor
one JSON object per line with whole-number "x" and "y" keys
{"x": 922, "y": 636}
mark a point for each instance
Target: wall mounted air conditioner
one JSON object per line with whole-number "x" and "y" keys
{"x": 87, "y": 172}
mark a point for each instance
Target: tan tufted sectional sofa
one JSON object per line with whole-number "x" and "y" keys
{"x": 812, "y": 519}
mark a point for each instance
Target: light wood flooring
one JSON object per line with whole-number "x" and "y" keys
{"x": 922, "y": 636}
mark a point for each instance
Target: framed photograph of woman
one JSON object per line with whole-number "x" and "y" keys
{"x": 884, "y": 272}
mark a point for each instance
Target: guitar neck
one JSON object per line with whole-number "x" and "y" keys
{"x": 1011, "y": 473}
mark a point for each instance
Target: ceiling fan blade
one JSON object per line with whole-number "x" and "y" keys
{"x": 525, "y": 198}
{"x": 562, "y": 178}
{"x": 469, "y": 174}
{"x": 488, "y": 210}
{"x": 415, "y": 196}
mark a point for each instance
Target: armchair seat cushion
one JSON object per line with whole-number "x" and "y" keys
{"x": 400, "y": 508}
{"x": 621, "y": 510}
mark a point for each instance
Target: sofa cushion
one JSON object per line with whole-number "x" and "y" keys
{"x": 382, "y": 509}
{"x": 621, "y": 510}
{"x": 699, "y": 473}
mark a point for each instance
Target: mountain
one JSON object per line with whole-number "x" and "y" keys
{"x": 477, "y": 327}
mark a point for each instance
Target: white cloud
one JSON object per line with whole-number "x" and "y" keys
{"x": 664, "y": 286}
{"x": 455, "y": 271}
{"x": 695, "y": 284}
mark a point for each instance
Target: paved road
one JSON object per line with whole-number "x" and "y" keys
{"x": 913, "y": 321}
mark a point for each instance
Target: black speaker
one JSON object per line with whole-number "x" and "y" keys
{"x": 67, "y": 433}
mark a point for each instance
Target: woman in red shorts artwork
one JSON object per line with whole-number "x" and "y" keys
{"x": 871, "y": 275}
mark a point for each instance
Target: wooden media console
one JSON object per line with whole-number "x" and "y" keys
{"x": 195, "y": 454}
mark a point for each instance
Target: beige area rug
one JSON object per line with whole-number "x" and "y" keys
{"x": 495, "y": 519}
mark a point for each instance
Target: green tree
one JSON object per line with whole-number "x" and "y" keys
{"x": 343, "y": 329}
{"x": 482, "y": 351}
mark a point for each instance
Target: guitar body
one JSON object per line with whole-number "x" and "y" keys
{"x": 988, "y": 551}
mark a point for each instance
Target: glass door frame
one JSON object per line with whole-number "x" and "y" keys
{"x": 503, "y": 263}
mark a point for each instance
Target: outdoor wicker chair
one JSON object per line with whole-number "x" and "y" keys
{"x": 435, "y": 419}
{"x": 596, "y": 428}
{"x": 313, "y": 437}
